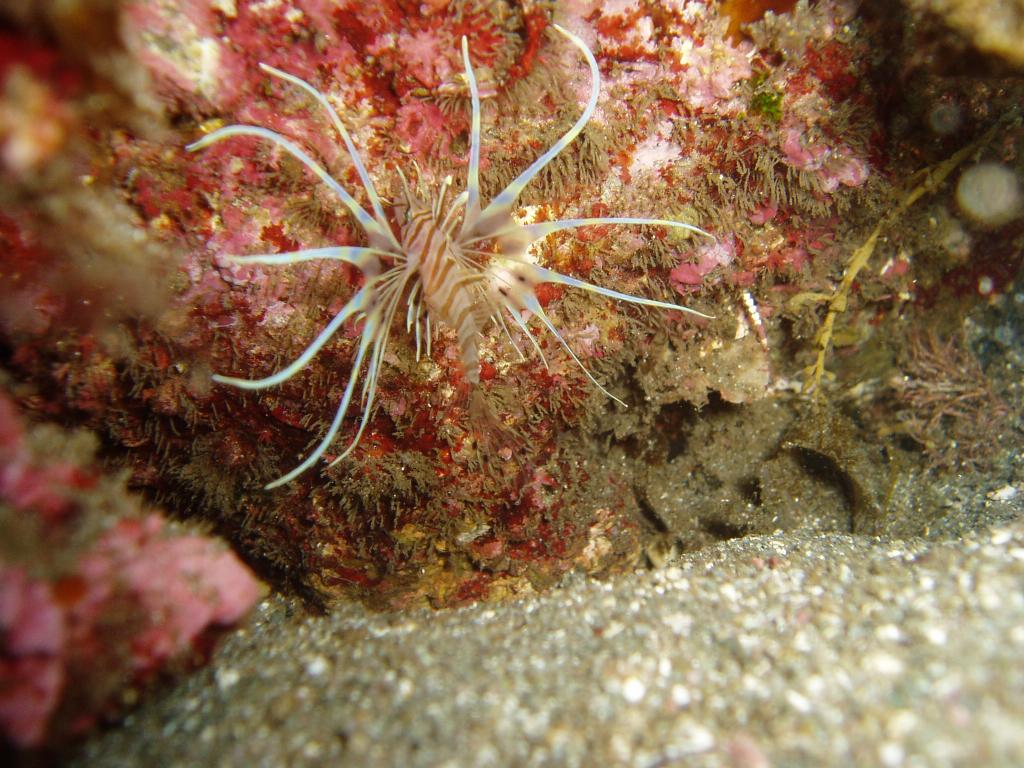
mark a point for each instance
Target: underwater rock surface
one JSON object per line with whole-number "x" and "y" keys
{"x": 764, "y": 139}
{"x": 857, "y": 390}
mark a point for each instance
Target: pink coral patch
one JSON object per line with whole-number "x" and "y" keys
{"x": 182, "y": 585}
{"x": 112, "y": 609}
{"x": 425, "y": 129}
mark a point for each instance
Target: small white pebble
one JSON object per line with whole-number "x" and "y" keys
{"x": 679, "y": 623}
{"x": 891, "y": 754}
{"x": 612, "y": 629}
{"x": 681, "y": 696}
{"x": 227, "y": 678}
{"x": 935, "y": 635}
{"x": 901, "y": 723}
{"x": 799, "y": 702}
{"x": 312, "y": 750}
{"x": 317, "y": 666}
{"x": 989, "y": 598}
{"x": 889, "y": 632}
{"x": 692, "y": 738}
{"x": 729, "y": 593}
{"x": 883, "y": 664}
{"x": 1006, "y": 493}
{"x": 404, "y": 689}
{"x": 1001, "y": 536}
{"x": 633, "y": 690}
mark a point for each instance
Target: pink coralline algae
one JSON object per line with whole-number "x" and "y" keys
{"x": 32, "y": 675}
{"x": 709, "y": 256}
{"x": 181, "y": 585}
{"x": 423, "y": 56}
{"x": 833, "y": 165}
{"x": 709, "y": 71}
{"x": 95, "y": 593}
{"x": 425, "y": 129}
{"x": 179, "y": 45}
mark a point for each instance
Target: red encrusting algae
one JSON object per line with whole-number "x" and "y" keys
{"x": 768, "y": 139}
{"x": 402, "y": 518}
